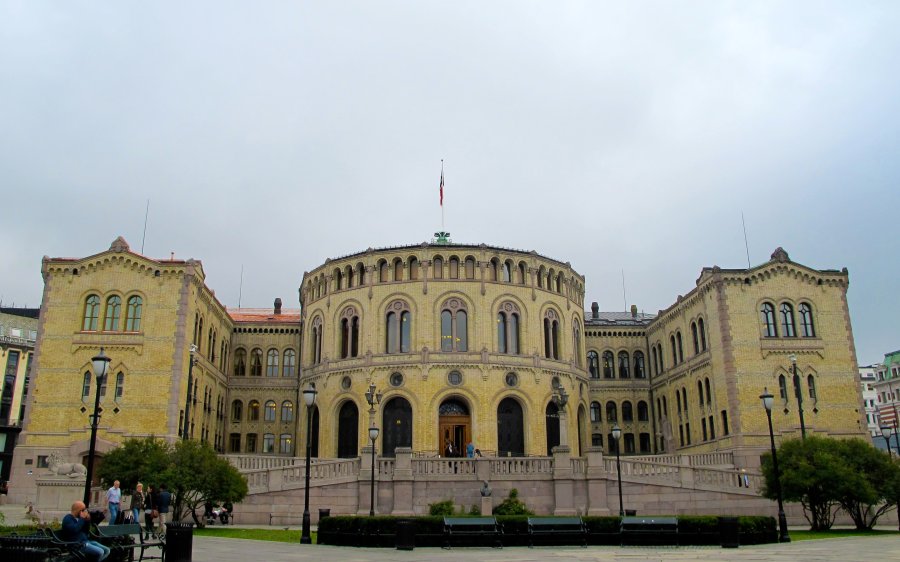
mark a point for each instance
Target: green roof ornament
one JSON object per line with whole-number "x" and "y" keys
{"x": 442, "y": 237}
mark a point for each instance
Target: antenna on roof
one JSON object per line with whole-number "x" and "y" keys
{"x": 144, "y": 237}
{"x": 625, "y": 300}
{"x": 241, "y": 286}
{"x": 746, "y": 245}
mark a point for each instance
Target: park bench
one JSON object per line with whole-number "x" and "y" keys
{"x": 649, "y": 531}
{"x": 129, "y": 538}
{"x": 459, "y": 528}
{"x": 61, "y": 548}
{"x": 558, "y": 528}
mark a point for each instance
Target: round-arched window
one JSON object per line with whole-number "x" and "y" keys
{"x": 396, "y": 379}
{"x": 512, "y": 379}
{"x": 455, "y": 378}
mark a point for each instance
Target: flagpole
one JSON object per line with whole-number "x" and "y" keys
{"x": 442, "y": 194}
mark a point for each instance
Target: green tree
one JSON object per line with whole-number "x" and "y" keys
{"x": 196, "y": 475}
{"x": 871, "y": 487}
{"x": 811, "y": 471}
{"x": 136, "y": 460}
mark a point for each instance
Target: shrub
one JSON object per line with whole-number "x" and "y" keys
{"x": 757, "y": 529}
{"x": 444, "y": 508}
{"x": 512, "y": 505}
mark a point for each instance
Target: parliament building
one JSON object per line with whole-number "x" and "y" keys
{"x": 438, "y": 345}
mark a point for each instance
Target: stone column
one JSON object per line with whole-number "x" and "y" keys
{"x": 563, "y": 486}
{"x": 597, "y": 481}
{"x": 403, "y": 481}
{"x": 364, "y": 481}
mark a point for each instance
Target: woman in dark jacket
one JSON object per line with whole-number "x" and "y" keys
{"x": 149, "y": 505}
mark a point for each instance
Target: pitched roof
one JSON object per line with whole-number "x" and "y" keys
{"x": 264, "y": 315}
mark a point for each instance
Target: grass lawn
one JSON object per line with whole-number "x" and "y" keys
{"x": 277, "y": 535}
{"x": 836, "y": 534}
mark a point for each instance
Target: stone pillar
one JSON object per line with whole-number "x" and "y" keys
{"x": 686, "y": 472}
{"x": 364, "y": 481}
{"x": 276, "y": 479}
{"x": 597, "y": 481}
{"x": 563, "y": 427}
{"x": 403, "y": 482}
{"x": 563, "y": 486}
{"x": 487, "y": 506}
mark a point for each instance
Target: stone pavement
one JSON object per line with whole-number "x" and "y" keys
{"x": 214, "y": 549}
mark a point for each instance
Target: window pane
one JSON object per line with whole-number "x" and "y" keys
{"x": 514, "y": 334}
{"x": 501, "y": 332}
{"x": 405, "y": 331}
{"x": 462, "y": 335}
{"x": 446, "y": 331}
{"x": 392, "y": 332}
{"x": 113, "y": 311}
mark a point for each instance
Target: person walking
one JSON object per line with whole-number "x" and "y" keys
{"x": 137, "y": 503}
{"x": 150, "y": 499}
{"x": 163, "y": 505}
{"x": 113, "y": 500}
{"x": 470, "y": 450}
{"x": 75, "y": 527}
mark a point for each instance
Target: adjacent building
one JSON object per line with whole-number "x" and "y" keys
{"x": 887, "y": 390}
{"x": 18, "y": 333}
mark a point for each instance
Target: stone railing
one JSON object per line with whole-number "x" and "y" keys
{"x": 257, "y": 480}
{"x": 717, "y": 458}
{"x": 443, "y": 467}
{"x": 521, "y": 466}
{"x": 322, "y": 471}
{"x": 255, "y": 462}
{"x": 579, "y": 465}
{"x": 663, "y": 473}
{"x": 385, "y": 467}
{"x": 725, "y": 478}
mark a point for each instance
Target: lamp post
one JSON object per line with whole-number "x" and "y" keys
{"x": 886, "y": 433}
{"x": 798, "y": 392}
{"x": 768, "y": 400}
{"x": 373, "y": 398}
{"x": 100, "y": 364}
{"x": 373, "y": 435}
{"x": 309, "y": 396}
{"x": 617, "y": 434}
{"x": 185, "y": 434}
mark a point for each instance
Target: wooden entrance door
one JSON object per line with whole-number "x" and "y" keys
{"x": 455, "y": 431}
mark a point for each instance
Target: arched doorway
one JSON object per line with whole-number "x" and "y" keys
{"x": 396, "y": 423}
{"x": 348, "y": 431}
{"x": 551, "y": 415}
{"x": 510, "y": 431}
{"x": 314, "y": 440}
{"x": 455, "y": 428}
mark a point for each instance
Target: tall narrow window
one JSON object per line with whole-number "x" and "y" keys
{"x": 454, "y": 326}
{"x": 624, "y": 363}
{"x": 398, "y": 328}
{"x": 695, "y": 337}
{"x": 551, "y": 335}
{"x": 639, "y": 370}
{"x": 256, "y": 363}
{"x": 398, "y": 269}
{"x": 508, "y": 329}
{"x": 523, "y": 276}
{"x": 113, "y": 312}
{"x": 287, "y": 411}
{"x": 674, "y": 350}
{"x": 653, "y": 356}
{"x": 576, "y": 349}
{"x": 383, "y": 271}
{"x": 240, "y": 362}
{"x": 269, "y": 415}
{"x": 702, "y": 329}
{"x": 470, "y": 268}
{"x": 237, "y": 410}
{"x": 611, "y": 413}
{"x": 272, "y": 363}
{"x": 501, "y": 332}
{"x": 643, "y": 411}
{"x": 782, "y": 388}
{"x": 437, "y": 265}
{"x": 807, "y": 330}
{"x": 454, "y": 267}
{"x": 349, "y": 332}
{"x": 413, "y": 266}
{"x": 593, "y": 359}
{"x": 627, "y": 412}
{"x": 680, "y": 348}
{"x": 268, "y": 443}
{"x": 787, "y": 320}
{"x": 120, "y": 386}
{"x": 133, "y": 314}
{"x": 662, "y": 363}
{"x": 348, "y": 274}
{"x": 708, "y": 394}
{"x": 609, "y": 369}
{"x": 86, "y": 386}
{"x": 91, "y": 313}
{"x": 700, "y": 392}
{"x": 506, "y": 270}
{"x": 316, "y": 340}
{"x": 595, "y": 412}
{"x": 811, "y": 383}
{"x": 289, "y": 363}
{"x": 767, "y": 317}
{"x": 286, "y": 444}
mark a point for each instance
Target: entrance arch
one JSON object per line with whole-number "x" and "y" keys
{"x": 348, "y": 431}
{"x": 396, "y": 422}
{"x": 510, "y": 430}
{"x": 551, "y": 415}
{"x": 454, "y": 428}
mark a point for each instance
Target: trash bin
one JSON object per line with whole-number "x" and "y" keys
{"x": 323, "y": 513}
{"x": 179, "y": 541}
{"x": 630, "y": 512}
{"x": 729, "y": 532}
{"x": 406, "y": 535}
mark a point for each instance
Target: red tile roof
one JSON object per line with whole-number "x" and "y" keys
{"x": 264, "y": 315}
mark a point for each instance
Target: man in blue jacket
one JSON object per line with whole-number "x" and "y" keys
{"x": 75, "y": 527}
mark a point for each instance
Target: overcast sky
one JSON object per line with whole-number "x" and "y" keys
{"x": 616, "y": 136}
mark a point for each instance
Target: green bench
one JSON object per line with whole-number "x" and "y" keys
{"x": 456, "y": 529}
{"x": 557, "y": 528}
{"x": 640, "y": 531}
{"x": 129, "y": 538}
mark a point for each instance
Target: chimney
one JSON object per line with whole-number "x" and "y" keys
{"x": 595, "y": 310}
{"x": 278, "y": 306}
{"x": 634, "y": 311}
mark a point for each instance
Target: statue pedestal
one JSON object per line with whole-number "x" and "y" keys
{"x": 487, "y": 506}
{"x": 56, "y": 495}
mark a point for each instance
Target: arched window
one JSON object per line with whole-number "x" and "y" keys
{"x": 767, "y": 316}
{"x": 287, "y": 411}
{"x": 551, "y": 335}
{"x": 508, "y": 329}
{"x": 680, "y": 348}
{"x": 383, "y": 271}
{"x": 702, "y": 329}
{"x": 113, "y": 312}
{"x": 684, "y": 399}
{"x": 256, "y": 363}
{"x": 523, "y": 275}
{"x": 398, "y": 269}
{"x": 289, "y": 362}
{"x": 655, "y": 364}
{"x": 807, "y": 330}
{"x": 695, "y": 337}
{"x": 540, "y": 279}
{"x": 674, "y": 349}
{"x": 454, "y": 326}
{"x": 593, "y": 359}
{"x": 576, "y": 348}
{"x": 595, "y": 412}
{"x": 316, "y": 340}
{"x": 413, "y": 266}
{"x": 611, "y": 412}
{"x": 348, "y": 274}
{"x": 609, "y": 369}
{"x": 253, "y": 410}
{"x": 494, "y": 270}
{"x": 237, "y": 410}
{"x": 700, "y": 392}
{"x": 782, "y": 388}
{"x": 624, "y": 363}
{"x": 338, "y": 280}
{"x": 643, "y": 411}
{"x": 240, "y": 362}
{"x": 133, "y": 314}
{"x": 627, "y": 412}
{"x": 268, "y": 443}
{"x": 639, "y": 370}
{"x": 86, "y": 386}
{"x": 787, "y": 320}
{"x": 398, "y": 328}
{"x": 453, "y": 265}
{"x": 272, "y": 363}
{"x": 437, "y": 265}
{"x": 286, "y": 444}
{"x": 470, "y": 268}
{"x": 91, "y": 313}
{"x": 360, "y": 274}
{"x": 708, "y": 394}
{"x": 506, "y": 272}
{"x": 811, "y": 383}
{"x": 120, "y": 386}
{"x": 270, "y": 411}
{"x": 199, "y": 339}
{"x": 662, "y": 363}
{"x": 349, "y": 333}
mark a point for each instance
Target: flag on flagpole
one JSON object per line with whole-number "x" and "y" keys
{"x": 442, "y": 186}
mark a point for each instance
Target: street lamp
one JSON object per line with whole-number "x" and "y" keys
{"x": 309, "y": 396}
{"x": 886, "y": 433}
{"x": 185, "y": 434}
{"x": 100, "y": 363}
{"x": 768, "y": 400}
{"x": 373, "y": 435}
{"x": 798, "y": 391}
{"x": 617, "y": 434}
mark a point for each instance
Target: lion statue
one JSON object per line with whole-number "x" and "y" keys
{"x": 70, "y": 469}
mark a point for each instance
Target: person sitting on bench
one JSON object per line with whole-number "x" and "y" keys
{"x": 75, "y": 527}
